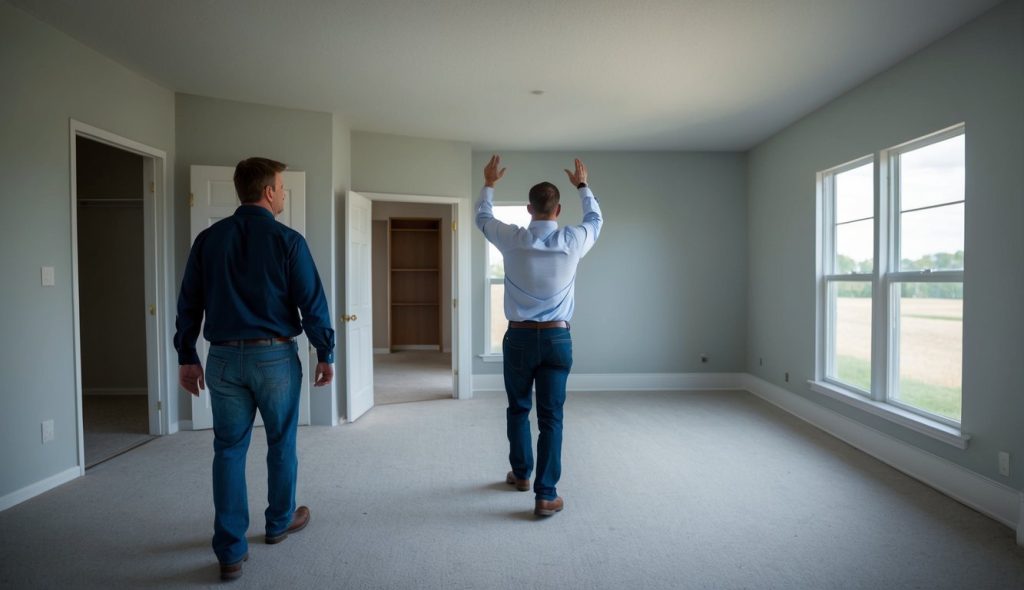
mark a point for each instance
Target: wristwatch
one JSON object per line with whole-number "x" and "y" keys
{"x": 581, "y": 185}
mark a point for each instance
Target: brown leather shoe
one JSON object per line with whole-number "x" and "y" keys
{"x": 523, "y": 485}
{"x": 232, "y": 571}
{"x": 548, "y": 507}
{"x": 299, "y": 521}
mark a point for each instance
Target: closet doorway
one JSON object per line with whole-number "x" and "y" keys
{"x": 412, "y": 280}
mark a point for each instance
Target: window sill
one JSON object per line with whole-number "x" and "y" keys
{"x": 491, "y": 358}
{"x": 937, "y": 430}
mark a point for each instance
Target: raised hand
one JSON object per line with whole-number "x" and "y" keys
{"x": 580, "y": 176}
{"x": 492, "y": 173}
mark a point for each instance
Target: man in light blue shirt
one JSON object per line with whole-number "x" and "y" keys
{"x": 540, "y": 274}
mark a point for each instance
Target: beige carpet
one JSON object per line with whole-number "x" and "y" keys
{"x": 113, "y": 424}
{"x": 663, "y": 490}
{"x": 411, "y": 376}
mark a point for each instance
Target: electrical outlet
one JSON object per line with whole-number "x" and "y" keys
{"x": 1004, "y": 463}
{"x": 48, "y": 276}
{"x": 704, "y": 357}
{"x": 47, "y": 431}
{"x": 787, "y": 376}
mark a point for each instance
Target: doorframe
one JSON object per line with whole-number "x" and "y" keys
{"x": 462, "y": 331}
{"x": 155, "y": 275}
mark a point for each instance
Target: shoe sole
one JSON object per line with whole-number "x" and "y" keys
{"x": 283, "y": 536}
{"x": 518, "y": 487}
{"x": 546, "y": 512}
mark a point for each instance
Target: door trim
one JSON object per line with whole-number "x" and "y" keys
{"x": 155, "y": 276}
{"x": 462, "y": 333}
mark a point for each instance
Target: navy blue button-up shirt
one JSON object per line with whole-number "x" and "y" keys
{"x": 251, "y": 276}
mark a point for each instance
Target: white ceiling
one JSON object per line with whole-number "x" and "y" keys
{"x": 616, "y": 74}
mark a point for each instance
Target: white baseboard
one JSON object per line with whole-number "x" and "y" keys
{"x": 31, "y": 491}
{"x": 628, "y": 381}
{"x": 989, "y": 497}
{"x": 115, "y": 391}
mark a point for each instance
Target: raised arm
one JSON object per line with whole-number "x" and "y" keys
{"x": 495, "y": 231}
{"x": 587, "y": 232}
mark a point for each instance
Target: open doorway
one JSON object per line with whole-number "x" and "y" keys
{"x": 118, "y": 281}
{"x": 112, "y": 299}
{"x": 412, "y": 287}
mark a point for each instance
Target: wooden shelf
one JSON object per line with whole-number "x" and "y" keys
{"x": 414, "y": 281}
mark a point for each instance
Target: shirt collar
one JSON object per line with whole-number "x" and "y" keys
{"x": 254, "y": 210}
{"x": 543, "y": 227}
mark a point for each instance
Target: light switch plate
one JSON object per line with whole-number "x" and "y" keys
{"x": 48, "y": 276}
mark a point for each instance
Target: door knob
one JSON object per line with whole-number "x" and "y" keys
{"x": 349, "y": 318}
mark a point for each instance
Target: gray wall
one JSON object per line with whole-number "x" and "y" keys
{"x": 111, "y": 270}
{"x": 975, "y": 75}
{"x": 49, "y": 78}
{"x": 667, "y": 278}
{"x": 222, "y": 132}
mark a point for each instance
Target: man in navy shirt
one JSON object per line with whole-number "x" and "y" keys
{"x": 252, "y": 276}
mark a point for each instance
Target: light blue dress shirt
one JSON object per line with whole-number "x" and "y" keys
{"x": 541, "y": 259}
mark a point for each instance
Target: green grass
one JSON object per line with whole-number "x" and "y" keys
{"x": 944, "y": 401}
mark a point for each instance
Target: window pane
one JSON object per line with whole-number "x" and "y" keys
{"x": 930, "y": 347}
{"x": 933, "y": 174}
{"x": 932, "y": 238}
{"x": 855, "y": 247}
{"x": 497, "y": 319}
{"x": 851, "y": 333}
{"x": 855, "y": 196}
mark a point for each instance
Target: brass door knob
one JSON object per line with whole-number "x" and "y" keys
{"x": 349, "y": 318}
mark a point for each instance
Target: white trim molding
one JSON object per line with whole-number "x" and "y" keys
{"x": 628, "y": 381}
{"x": 28, "y": 492}
{"x": 989, "y": 497}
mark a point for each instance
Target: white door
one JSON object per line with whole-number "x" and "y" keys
{"x": 358, "y": 313}
{"x": 213, "y": 198}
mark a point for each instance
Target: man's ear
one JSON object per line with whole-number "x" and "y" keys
{"x": 529, "y": 207}
{"x": 558, "y": 210}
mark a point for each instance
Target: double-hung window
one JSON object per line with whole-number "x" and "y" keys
{"x": 891, "y": 282}
{"x": 494, "y": 293}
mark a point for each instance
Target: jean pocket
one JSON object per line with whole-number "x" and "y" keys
{"x": 512, "y": 354}
{"x": 561, "y": 352}
{"x": 215, "y": 367}
{"x": 277, "y": 372}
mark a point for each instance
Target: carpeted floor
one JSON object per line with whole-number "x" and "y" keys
{"x": 663, "y": 490}
{"x": 113, "y": 424}
{"x": 411, "y": 376}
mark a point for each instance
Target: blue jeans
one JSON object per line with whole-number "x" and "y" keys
{"x": 540, "y": 358}
{"x": 242, "y": 379}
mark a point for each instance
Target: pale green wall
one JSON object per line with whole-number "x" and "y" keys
{"x": 667, "y": 278}
{"x": 221, "y": 132}
{"x": 410, "y": 165}
{"x": 49, "y": 78}
{"x": 976, "y": 76}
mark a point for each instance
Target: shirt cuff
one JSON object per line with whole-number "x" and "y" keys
{"x": 325, "y": 356}
{"x": 188, "y": 357}
{"x": 487, "y": 193}
{"x": 586, "y": 192}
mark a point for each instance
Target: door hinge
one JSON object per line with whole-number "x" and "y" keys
{"x": 455, "y": 226}
{"x": 191, "y": 199}
{"x": 152, "y": 187}
{"x": 455, "y": 303}
{"x": 152, "y": 309}
{"x": 159, "y": 406}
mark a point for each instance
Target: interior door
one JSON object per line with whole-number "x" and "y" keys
{"x": 357, "y": 315}
{"x": 213, "y": 198}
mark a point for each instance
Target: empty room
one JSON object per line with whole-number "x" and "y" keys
{"x": 659, "y": 294}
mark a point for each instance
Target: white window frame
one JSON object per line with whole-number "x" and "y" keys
{"x": 492, "y": 355}
{"x": 885, "y": 279}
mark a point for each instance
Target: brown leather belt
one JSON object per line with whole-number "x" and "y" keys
{"x": 540, "y": 325}
{"x": 251, "y": 342}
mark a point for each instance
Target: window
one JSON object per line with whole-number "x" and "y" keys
{"x": 494, "y": 293}
{"x": 891, "y": 264}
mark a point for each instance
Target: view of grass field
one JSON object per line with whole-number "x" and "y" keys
{"x": 930, "y": 354}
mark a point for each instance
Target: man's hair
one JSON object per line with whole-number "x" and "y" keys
{"x": 252, "y": 174}
{"x": 544, "y": 198}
